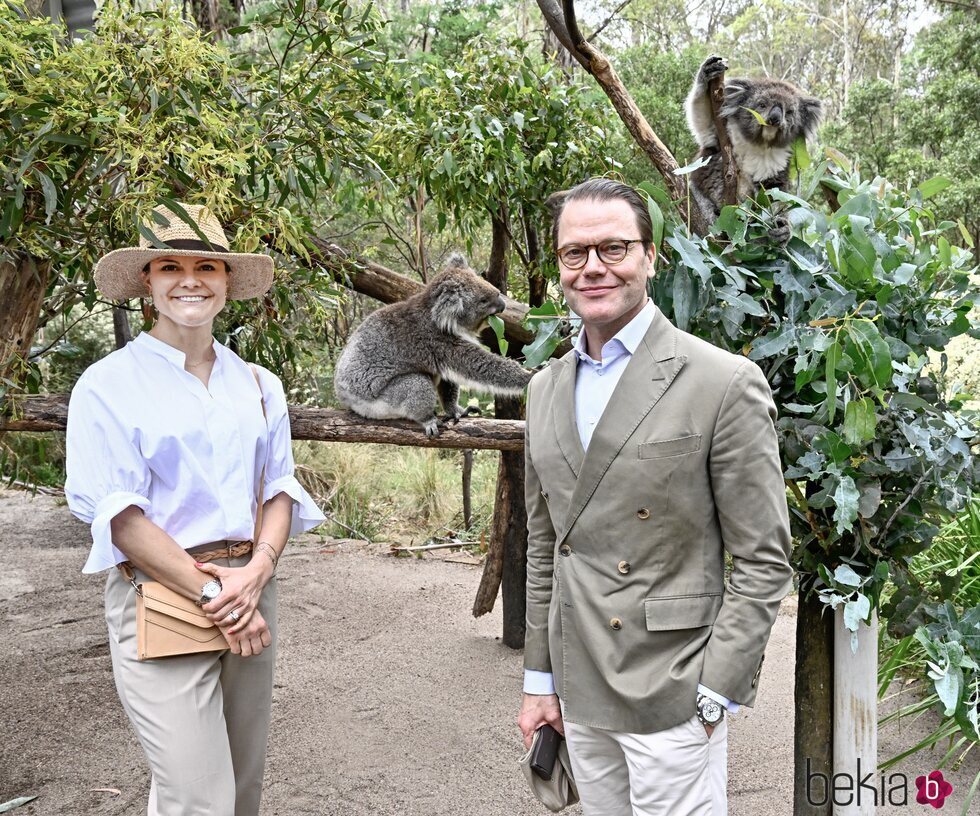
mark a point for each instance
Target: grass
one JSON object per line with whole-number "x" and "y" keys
{"x": 393, "y": 493}
{"x": 954, "y": 554}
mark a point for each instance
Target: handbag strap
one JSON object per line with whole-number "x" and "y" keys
{"x": 265, "y": 416}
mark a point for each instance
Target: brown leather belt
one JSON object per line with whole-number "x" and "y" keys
{"x": 228, "y": 549}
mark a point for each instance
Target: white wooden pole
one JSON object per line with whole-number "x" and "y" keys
{"x": 855, "y": 782}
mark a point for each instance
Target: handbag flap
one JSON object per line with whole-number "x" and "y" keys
{"x": 161, "y": 599}
{"x": 163, "y": 631}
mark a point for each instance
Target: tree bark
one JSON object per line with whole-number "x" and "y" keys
{"x": 562, "y": 22}
{"x": 729, "y": 167}
{"x": 121, "y": 329}
{"x": 23, "y": 282}
{"x": 50, "y": 413}
{"x": 507, "y": 555}
{"x": 388, "y": 286}
{"x": 814, "y": 723}
{"x": 467, "y": 489}
{"x": 537, "y": 283}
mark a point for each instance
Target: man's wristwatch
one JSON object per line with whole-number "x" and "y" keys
{"x": 210, "y": 591}
{"x": 710, "y": 712}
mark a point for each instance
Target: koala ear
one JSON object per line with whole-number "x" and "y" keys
{"x": 811, "y": 109}
{"x": 457, "y": 260}
{"x": 737, "y": 93}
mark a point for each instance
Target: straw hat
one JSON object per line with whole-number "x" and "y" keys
{"x": 119, "y": 275}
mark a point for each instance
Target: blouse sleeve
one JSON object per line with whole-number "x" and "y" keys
{"x": 279, "y": 466}
{"x": 105, "y": 471}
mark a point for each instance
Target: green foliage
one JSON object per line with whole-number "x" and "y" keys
{"x": 659, "y": 82}
{"x": 146, "y": 110}
{"x": 491, "y": 132}
{"x": 842, "y": 320}
{"x": 927, "y": 124}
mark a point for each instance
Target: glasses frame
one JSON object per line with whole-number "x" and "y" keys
{"x": 588, "y": 251}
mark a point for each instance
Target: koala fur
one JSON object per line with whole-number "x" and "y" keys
{"x": 406, "y": 354}
{"x": 762, "y": 152}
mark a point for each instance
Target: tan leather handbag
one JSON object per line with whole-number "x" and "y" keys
{"x": 167, "y": 623}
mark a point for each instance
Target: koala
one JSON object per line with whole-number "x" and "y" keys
{"x": 762, "y": 152}
{"x": 406, "y": 354}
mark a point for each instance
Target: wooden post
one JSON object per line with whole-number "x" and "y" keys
{"x": 467, "y": 489}
{"x": 813, "y": 738}
{"x": 856, "y": 713}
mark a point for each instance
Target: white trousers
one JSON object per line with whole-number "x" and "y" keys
{"x": 203, "y": 719}
{"x": 675, "y": 772}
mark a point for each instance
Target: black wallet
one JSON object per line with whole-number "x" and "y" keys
{"x": 544, "y": 753}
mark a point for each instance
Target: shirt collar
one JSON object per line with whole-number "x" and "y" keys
{"x": 148, "y": 342}
{"x": 627, "y": 339}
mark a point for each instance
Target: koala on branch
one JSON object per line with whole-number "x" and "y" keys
{"x": 761, "y": 151}
{"x": 406, "y": 355}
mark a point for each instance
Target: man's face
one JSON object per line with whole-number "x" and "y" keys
{"x": 606, "y": 296}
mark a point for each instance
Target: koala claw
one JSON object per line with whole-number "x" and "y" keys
{"x": 713, "y": 66}
{"x": 431, "y": 427}
{"x": 781, "y": 231}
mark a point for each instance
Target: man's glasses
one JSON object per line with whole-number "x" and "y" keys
{"x": 612, "y": 252}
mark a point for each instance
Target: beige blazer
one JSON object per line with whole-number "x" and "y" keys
{"x": 627, "y": 602}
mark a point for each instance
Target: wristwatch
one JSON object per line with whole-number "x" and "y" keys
{"x": 710, "y": 712}
{"x": 210, "y": 591}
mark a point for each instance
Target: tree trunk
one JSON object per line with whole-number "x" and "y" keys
{"x": 467, "y": 489}
{"x": 23, "y": 283}
{"x": 121, "y": 329}
{"x": 537, "y": 283}
{"x": 814, "y": 693}
{"x": 506, "y": 561}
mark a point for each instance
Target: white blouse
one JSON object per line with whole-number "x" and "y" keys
{"x": 143, "y": 431}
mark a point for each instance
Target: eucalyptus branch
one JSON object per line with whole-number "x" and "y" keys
{"x": 36, "y": 355}
{"x": 911, "y": 495}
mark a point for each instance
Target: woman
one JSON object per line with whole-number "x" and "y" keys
{"x": 170, "y": 440}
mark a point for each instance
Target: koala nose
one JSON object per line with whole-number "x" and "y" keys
{"x": 775, "y": 117}
{"x": 501, "y": 305}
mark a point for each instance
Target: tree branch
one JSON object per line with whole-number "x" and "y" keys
{"x": 50, "y": 413}
{"x": 602, "y": 26}
{"x": 566, "y": 29}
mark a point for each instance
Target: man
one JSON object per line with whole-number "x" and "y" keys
{"x": 649, "y": 454}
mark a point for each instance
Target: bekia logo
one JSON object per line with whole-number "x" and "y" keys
{"x": 933, "y": 789}
{"x": 857, "y": 789}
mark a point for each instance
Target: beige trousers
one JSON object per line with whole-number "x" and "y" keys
{"x": 203, "y": 720}
{"x": 676, "y": 772}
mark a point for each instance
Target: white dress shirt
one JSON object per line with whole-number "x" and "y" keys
{"x": 143, "y": 431}
{"x": 595, "y": 381}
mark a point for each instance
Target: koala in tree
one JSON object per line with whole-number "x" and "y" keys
{"x": 762, "y": 151}
{"x": 406, "y": 354}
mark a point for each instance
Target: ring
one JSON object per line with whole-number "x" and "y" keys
{"x": 234, "y": 615}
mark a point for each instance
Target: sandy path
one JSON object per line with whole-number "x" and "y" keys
{"x": 390, "y": 697}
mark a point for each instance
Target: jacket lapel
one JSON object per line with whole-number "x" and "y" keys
{"x": 563, "y": 412}
{"x": 647, "y": 377}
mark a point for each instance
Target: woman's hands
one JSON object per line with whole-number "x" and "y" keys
{"x": 251, "y": 638}
{"x": 241, "y": 588}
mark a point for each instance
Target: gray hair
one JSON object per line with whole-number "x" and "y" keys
{"x": 602, "y": 189}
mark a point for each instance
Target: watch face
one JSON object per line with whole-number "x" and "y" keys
{"x": 211, "y": 590}
{"x": 710, "y": 711}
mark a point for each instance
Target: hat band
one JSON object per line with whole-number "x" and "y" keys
{"x": 193, "y": 243}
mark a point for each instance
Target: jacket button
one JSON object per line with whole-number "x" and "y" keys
{"x": 564, "y": 549}
{"x": 624, "y": 567}
{"x": 616, "y": 623}
{"x": 643, "y": 513}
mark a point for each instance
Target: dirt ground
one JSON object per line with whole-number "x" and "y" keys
{"x": 390, "y": 697}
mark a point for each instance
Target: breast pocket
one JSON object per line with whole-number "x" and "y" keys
{"x": 681, "y": 611}
{"x": 663, "y": 448}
